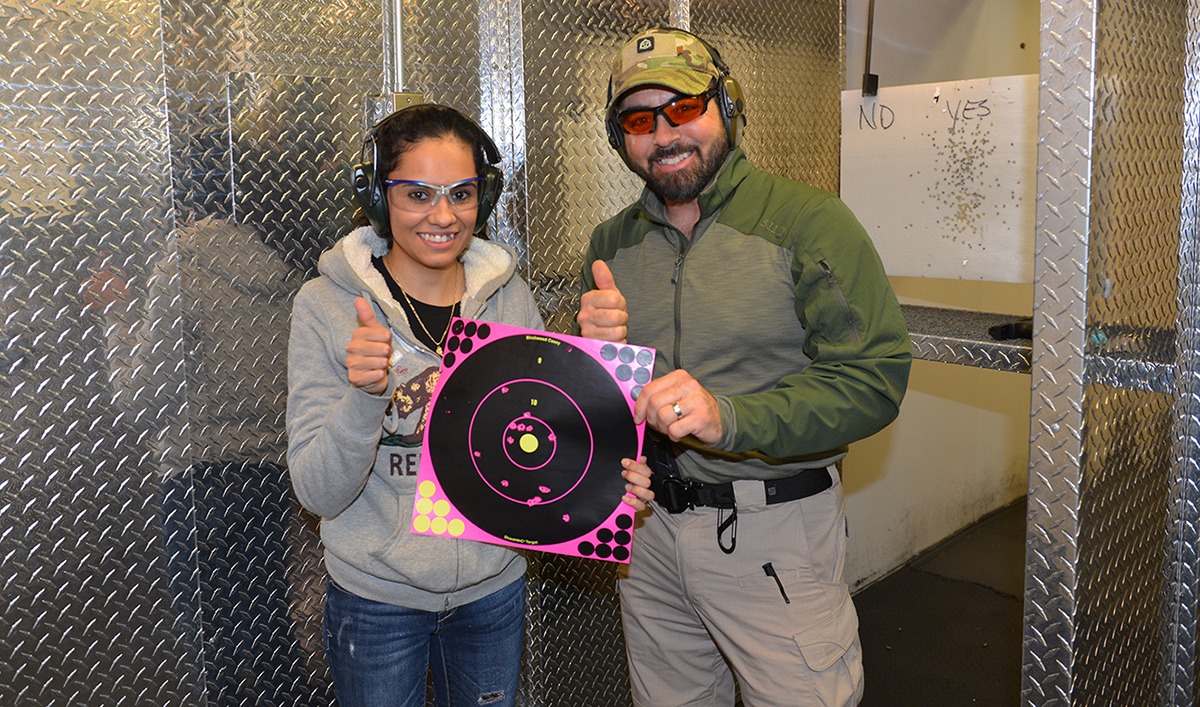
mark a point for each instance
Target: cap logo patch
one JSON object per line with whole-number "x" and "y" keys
{"x": 645, "y": 44}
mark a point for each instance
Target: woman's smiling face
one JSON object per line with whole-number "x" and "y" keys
{"x": 436, "y": 239}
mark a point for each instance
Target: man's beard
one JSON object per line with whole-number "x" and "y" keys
{"x": 685, "y": 184}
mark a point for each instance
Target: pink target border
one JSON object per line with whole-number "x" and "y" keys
{"x": 628, "y": 366}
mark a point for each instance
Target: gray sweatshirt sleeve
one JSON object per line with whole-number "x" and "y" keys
{"x": 333, "y": 428}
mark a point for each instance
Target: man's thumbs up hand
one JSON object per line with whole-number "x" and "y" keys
{"x": 602, "y": 312}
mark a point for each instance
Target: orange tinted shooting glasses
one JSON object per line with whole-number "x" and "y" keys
{"x": 680, "y": 111}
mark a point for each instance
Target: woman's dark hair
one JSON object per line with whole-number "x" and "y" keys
{"x": 400, "y": 131}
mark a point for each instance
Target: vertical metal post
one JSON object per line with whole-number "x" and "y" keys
{"x": 1179, "y": 639}
{"x": 393, "y": 42}
{"x": 502, "y": 113}
{"x": 870, "y": 85}
{"x": 1065, "y": 122}
{"x": 681, "y": 14}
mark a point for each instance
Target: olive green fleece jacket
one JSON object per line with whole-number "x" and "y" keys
{"x": 778, "y": 305}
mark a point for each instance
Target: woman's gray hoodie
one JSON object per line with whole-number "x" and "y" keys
{"x": 353, "y": 457}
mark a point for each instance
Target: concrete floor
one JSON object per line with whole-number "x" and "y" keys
{"x": 946, "y": 628}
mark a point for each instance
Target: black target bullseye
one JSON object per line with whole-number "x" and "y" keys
{"x": 527, "y": 435}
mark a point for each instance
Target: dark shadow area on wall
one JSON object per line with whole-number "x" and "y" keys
{"x": 574, "y": 649}
{"x": 229, "y": 567}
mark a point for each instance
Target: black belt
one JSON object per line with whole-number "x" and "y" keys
{"x": 675, "y": 494}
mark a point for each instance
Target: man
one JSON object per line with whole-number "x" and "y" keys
{"x": 779, "y": 343}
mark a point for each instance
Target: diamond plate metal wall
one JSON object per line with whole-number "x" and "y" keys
{"x": 792, "y": 69}
{"x": 1123, "y": 602}
{"x": 170, "y": 171}
{"x": 86, "y": 183}
{"x": 574, "y": 179}
{"x": 1111, "y": 564}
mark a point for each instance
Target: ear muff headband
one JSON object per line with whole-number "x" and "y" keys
{"x": 371, "y": 197}
{"x": 729, "y": 99}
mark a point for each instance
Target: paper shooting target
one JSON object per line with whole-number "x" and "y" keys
{"x": 524, "y": 440}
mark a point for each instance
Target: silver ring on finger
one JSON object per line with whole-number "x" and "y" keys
{"x": 677, "y": 410}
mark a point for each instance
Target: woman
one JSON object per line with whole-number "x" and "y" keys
{"x": 363, "y": 360}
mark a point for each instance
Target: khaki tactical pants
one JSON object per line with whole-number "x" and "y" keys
{"x": 695, "y": 618}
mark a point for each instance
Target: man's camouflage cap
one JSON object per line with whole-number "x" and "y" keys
{"x": 662, "y": 57}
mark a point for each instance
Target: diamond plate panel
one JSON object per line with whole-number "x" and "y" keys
{"x": 575, "y": 179}
{"x": 1125, "y": 607}
{"x": 198, "y": 42}
{"x": 86, "y": 213}
{"x": 153, "y": 553}
{"x": 956, "y": 336}
{"x": 574, "y": 652}
{"x": 341, "y": 39}
{"x": 1110, "y": 593}
{"x": 1180, "y": 654}
{"x": 1066, "y": 98}
{"x": 294, "y": 141}
{"x": 1134, "y": 251}
{"x": 1123, "y": 513}
{"x": 502, "y": 100}
{"x": 443, "y": 54}
{"x": 788, "y": 57}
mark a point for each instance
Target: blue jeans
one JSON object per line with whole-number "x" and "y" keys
{"x": 380, "y": 654}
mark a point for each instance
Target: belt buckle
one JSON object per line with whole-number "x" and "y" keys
{"x": 673, "y": 494}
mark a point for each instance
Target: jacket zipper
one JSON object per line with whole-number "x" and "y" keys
{"x": 676, "y": 359}
{"x": 836, "y": 289}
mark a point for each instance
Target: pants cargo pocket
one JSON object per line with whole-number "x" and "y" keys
{"x": 825, "y": 643}
{"x": 833, "y": 654}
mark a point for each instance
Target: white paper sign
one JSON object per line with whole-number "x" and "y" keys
{"x": 943, "y": 176}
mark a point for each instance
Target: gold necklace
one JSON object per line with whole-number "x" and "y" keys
{"x": 440, "y": 340}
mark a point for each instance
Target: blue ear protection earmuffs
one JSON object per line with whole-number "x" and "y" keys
{"x": 729, "y": 99}
{"x": 369, "y": 190}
